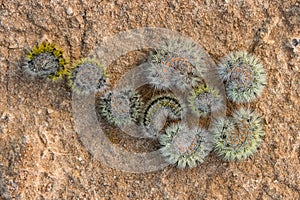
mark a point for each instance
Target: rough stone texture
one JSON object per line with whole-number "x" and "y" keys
{"x": 41, "y": 156}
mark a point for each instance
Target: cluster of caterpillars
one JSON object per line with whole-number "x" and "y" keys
{"x": 174, "y": 66}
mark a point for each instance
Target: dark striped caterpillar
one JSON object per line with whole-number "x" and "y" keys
{"x": 158, "y": 110}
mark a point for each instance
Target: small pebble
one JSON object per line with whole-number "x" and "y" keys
{"x": 69, "y": 11}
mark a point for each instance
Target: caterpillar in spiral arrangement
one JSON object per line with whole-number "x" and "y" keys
{"x": 185, "y": 146}
{"x": 244, "y": 76}
{"x": 237, "y": 137}
{"x": 87, "y": 76}
{"x": 120, "y": 107}
{"x": 204, "y": 100}
{"x": 175, "y": 65}
{"x": 158, "y": 110}
{"x": 45, "y": 60}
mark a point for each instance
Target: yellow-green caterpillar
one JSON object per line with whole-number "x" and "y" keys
{"x": 204, "y": 100}
{"x": 45, "y": 60}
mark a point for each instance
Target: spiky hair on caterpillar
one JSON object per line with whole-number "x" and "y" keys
{"x": 184, "y": 146}
{"x": 244, "y": 76}
{"x": 158, "y": 110}
{"x": 121, "y": 106}
{"x": 237, "y": 137}
{"x": 176, "y": 64}
{"x": 87, "y": 76}
{"x": 204, "y": 100}
{"x": 45, "y": 60}
{"x": 160, "y": 76}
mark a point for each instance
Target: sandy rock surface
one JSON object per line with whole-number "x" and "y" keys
{"x": 41, "y": 155}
